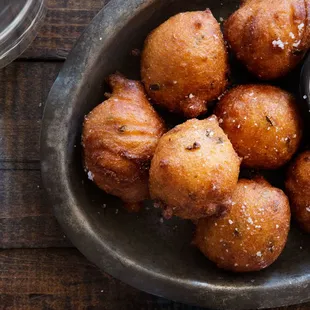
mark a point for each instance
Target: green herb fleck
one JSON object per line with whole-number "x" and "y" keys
{"x": 220, "y": 141}
{"x": 154, "y": 87}
{"x": 122, "y": 128}
{"x": 195, "y": 146}
{"x": 269, "y": 121}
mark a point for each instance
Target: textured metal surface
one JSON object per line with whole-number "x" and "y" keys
{"x": 138, "y": 249}
{"x": 305, "y": 89}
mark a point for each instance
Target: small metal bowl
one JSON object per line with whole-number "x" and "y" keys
{"x": 139, "y": 249}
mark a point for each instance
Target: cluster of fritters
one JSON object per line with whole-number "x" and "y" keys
{"x": 192, "y": 171}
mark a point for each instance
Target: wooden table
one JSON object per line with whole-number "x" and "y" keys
{"x": 39, "y": 267}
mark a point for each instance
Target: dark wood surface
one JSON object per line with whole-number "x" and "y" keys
{"x": 39, "y": 268}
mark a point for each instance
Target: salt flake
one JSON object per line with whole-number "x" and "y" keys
{"x": 90, "y": 175}
{"x": 278, "y": 43}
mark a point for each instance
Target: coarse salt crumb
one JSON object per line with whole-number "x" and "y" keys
{"x": 259, "y": 254}
{"x": 308, "y": 209}
{"x": 221, "y": 19}
{"x": 238, "y": 126}
{"x": 245, "y": 118}
{"x": 295, "y": 136}
{"x": 278, "y": 43}
{"x": 215, "y": 224}
{"x": 221, "y": 120}
{"x": 161, "y": 220}
{"x": 236, "y": 265}
{"x": 230, "y": 222}
{"x": 305, "y": 97}
{"x": 90, "y": 175}
{"x": 156, "y": 205}
{"x": 175, "y": 82}
{"x": 100, "y": 38}
{"x": 277, "y": 226}
{"x": 101, "y": 291}
{"x": 292, "y": 35}
{"x": 250, "y": 221}
{"x": 296, "y": 44}
{"x": 301, "y": 26}
{"x": 233, "y": 120}
{"x": 258, "y": 226}
{"x": 301, "y": 247}
{"x": 191, "y": 96}
{"x": 211, "y": 133}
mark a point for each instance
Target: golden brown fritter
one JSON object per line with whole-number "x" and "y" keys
{"x": 263, "y": 124}
{"x": 270, "y": 37}
{"x": 252, "y": 233}
{"x": 184, "y": 63}
{"x": 194, "y": 170}
{"x": 298, "y": 188}
{"x": 119, "y": 138}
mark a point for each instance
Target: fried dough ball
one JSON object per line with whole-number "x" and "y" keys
{"x": 252, "y": 233}
{"x": 262, "y": 123}
{"x": 298, "y": 188}
{"x": 184, "y": 63}
{"x": 194, "y": 170}
{"x": 119, "y": 138}
{"x": 269, "y": 37}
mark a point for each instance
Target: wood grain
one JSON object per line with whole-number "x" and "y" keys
{"x": 63, "y": 25}
{"x": 24, "y": 87}
{"x": 25, "y": 221}
{"x": 64, "y": 279}
{"x": 25, "y": 218}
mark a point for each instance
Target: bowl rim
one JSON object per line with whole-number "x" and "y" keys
{"x": 115, "y": 15}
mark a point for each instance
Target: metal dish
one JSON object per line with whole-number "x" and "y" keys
{"x": 138, "y": 249}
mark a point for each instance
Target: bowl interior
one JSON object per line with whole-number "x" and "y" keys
{"x": 144, "y": 239}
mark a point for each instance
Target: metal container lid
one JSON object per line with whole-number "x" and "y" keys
{"x": 19, "y": 24}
